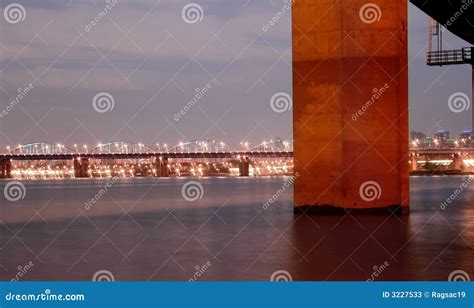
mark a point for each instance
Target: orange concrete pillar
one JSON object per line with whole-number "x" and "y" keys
{"x": 350, "y": 92}
{"x": 161, "y": 167}
{"x": 458, "y": 162}
{"x": 244, "y": 166}
{"x": 5, "y": 169}
{"x": 81, "y": 167}
{"x": 414, "y": 162}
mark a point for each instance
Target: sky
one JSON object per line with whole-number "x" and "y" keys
{"x": 96, "y": 71}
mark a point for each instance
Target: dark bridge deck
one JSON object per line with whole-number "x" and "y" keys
{"x": 252, "y": 154}
{"x": 456, "y": 15}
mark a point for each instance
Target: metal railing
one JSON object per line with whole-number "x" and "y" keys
{"x": 449, "y": 57}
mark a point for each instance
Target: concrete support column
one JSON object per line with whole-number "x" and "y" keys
{"x": 161, "y": 167}
{"x": 81, "y": 167}
{"x": 414, "y": 162}
{"x": 5, "y": 169}
{"x": 244, "y": 166}
{"x": 458, "y": 162}
{"x": 472, "y": 91}
{"x": 350, "y": 98}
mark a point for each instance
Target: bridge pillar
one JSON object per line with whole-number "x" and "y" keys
{"x": 414, "y": 162}
{"x": 161, "y": 167}
{"x": 350, "y": 98}
{"x": 458, "y": 162}
{"x": 5, "y": 169}
{"x": 244, "y": 166}
{"x": 81, "y": 167}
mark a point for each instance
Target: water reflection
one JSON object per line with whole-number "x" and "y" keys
{"x": 143, "y": 229}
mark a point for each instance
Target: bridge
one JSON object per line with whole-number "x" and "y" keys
{"x": 193, "y": 150}
{"x": 461, "y": 159}
{"x": 350, "y": 99}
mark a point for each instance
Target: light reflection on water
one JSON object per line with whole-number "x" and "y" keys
{"x": 143, "y": 229}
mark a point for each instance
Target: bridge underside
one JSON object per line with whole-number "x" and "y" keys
{"x": 350, "y": 86}
{"x": 456, "y": 15}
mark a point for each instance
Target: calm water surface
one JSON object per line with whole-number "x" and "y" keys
{"x": 143, "y": 229}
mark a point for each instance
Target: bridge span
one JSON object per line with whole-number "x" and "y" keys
{"x": 81, "y": 161}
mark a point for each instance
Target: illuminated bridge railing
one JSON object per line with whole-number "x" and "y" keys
{"x": 450, "y": 57}
{"x": 149, "y": 155}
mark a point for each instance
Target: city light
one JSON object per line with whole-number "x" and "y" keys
{"x": 65, "y": 162}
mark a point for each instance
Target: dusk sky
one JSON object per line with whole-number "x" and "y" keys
{"x": 151, "y": 61}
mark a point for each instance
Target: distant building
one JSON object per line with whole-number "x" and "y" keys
{"x": 418, "y": 139}
{"x": 441, "y": 138}
{"x": 466, "y": 138}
